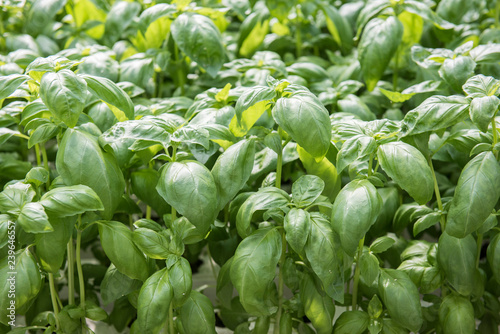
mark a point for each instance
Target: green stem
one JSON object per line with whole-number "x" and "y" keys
{"x": 71, "y": 272}
{"x": 79, "y": 267}
{"x": 495, "y": 134}
{"x": 370, "y": 165}
{"x": 279, "y": 168}
{"x": 171, "y": 319}
{"x": 281, "y": 282}
{"x": 479, "y": 245}
{"x": 438, "y": 194}
{"x": 37, "y": 153}
{"x": 46, "y": 164}
{"x": 356, "y": 275}
{"x": 148, "y": 212}
{"x": 180, "y": 75}
{"x": 53, "y": 296}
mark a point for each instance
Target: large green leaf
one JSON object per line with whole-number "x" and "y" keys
{"x": 481, "y": 86}
{"x": 51, "y": 247}
{"x": 9, "y": 84}
{"x": 181, "y": 280}
{"x": 253, "y": 269}
{"x": 456, "y": 315}
{"x": 153, "y": 244}
{"x": 355, "y": 209}
{"x": 482, "y": 110}
{"x": 143, "y": 182}
{"x": 64, "y": 93}
{"x": 190, "y": 188}
{"x": 338, "y": 27}
{"x": 306, "y": 120}
{"x": 306, "y": 190}
{"x": 117, "y": 100}
{"x": 408, "y": 167}
{"x": 71, "y": 200}
{"x": 197, "y": 314}
{"x": 153, "y": 302}
{"x": 33, "y": 218}
{"x": 476, "y": 195}
{"x": 325, "y": 256}
{"x": 352, "y": 322}
{"x": 22, "y": 276}
{"x": 198, "y": 37}
{"x": 493, "y": 255}
{"x": 80, "y": 160}
{"x": 232, "y": 170}
{"x": 401, "y": 298}
{"x": 317, "y": 307}
{"x": 457, "y": 258}
{"x": 264, "y": 199}
{"x": 297, "y": 226}
{"x": 115, "y": 285}
{"x": 378, "y": 44}
{"x": 116, "y": 240}
{"x": 456, "y": 71}
{"x": 435, "y": 113}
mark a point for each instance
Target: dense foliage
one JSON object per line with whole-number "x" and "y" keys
{"x": 335, "y": 162}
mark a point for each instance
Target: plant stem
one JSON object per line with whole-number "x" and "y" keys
{"x": 171, "y": 319}
{"x": 370, "y": 165}
{"x": 71, "y": 272}
{"x": 148, "y": 212}
{"x": 281, "y": 282}
{"x": 479, "y": 245}
{"x": 37, "y": 153}
{"x": 180, "y": 75}
{"x": 356, "y": 275}
{"x": 53, "y": 296}
{"x": 495, "y": 134}
{"x": 438, "y": 194}
{"x": 279, "y": 169}
{"x": 79, "y": 267}
{"x": 46, "y": 164}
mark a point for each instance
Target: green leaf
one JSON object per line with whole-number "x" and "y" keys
{"x": 184, "y": 183}
{"x": 265, "y": 199}
{"x": 117, "y": 242}
{"x": 198, "y": 37}
{"x": 356, "y": 148}
{"x": 378, "y": 44}
{"x": 456, "y": 71}
{"x": 64, "y": 93}
{"x": 80, "y": 161}
{"x": 456, "y": 315}
{"x": 119, "y": 18}
{"x": 197, "y": 314}
{"x": 351, "y": 322}
{"x": 116, "y": 285}
{"x": 457, "y": 258}
{"x": 9, "y": 84}
{"x": 476, "y": 195}
{"x": 306, "y": 190}
{"x": 422, "y": 10}
{"x": 33, "y": 218}
{"x": 325, "y": 169}
{"x": 317, "y": 307}
{"x": 51, "y": 247}
{"x": 15, "y": 196}
{"x": 493, "y": 255}
{"x": 253, "y": 270}
{"x": 117, "y": 100}
{"x": 325, "y": 256}
{"x": 375, "y": 307}
{"x": 42, "y": 134}
{"x": 297, "y": 225}
{"x": 486, "y": 53}
{"x": 372, "y": 9}
{"x": 401, "y": 298}
{"x": 369, "y": 267}
{"x": 27, "y": 280}
{"x": 232, "y": 170}
{"x": 153, "y": 302}
{"x": 354, "y": 211}
{"x": 425, "y": 222}
{"x": 253, "y": 30}
{"x": 338, "y": 27}
{"x": 306, "y": 120}
{"x": 435, "y": 113}
{"x": 381, "y": 244}
{"x": 143, "y": 182}
{"x": 249, "y": 108}
{"x": 453, "y": 10}
{"x": 37, "y": 176}
{"x": 481, "y": 86}
{"x": 422, "y": 87}
{"x": 153, "y": 244}
{"x": 181, "y": 280}
{"x": 482, "y": 110}
{"x": 408, "y": 168}
{"x": 71, "y": 200}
